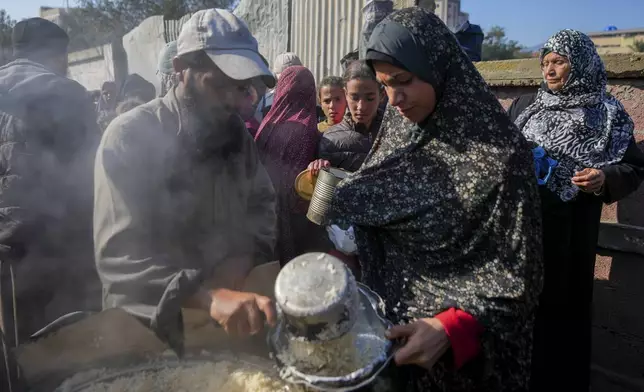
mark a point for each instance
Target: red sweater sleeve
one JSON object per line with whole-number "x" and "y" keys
{"x": 463, "y": 331}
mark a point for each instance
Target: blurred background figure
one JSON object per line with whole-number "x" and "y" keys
{"x": 165, "y": 71}
{"x": 373, "y": 13}
{"x": 471, "y": 36}
{"x": 106, "y": 110}
{"x": 284, "y": 61}
{"x": 348, "y": 59}
{"x": 248, "y": 107}
{"x": 107, "y": 104}
{"x": 281, "y": 63}
{"x": 109, "y": 93}
{"x": 135, "y": 86}
{"x": 95, "y": 96}
{"x": 49, "y": 137}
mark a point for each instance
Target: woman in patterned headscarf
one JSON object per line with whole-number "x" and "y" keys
{"x": 287, "y": 141}
{"x": 590, "y": 136}
{"x": 446, "y": 214}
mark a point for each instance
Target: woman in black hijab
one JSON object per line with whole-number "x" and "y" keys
{"x": 446, "y": 214}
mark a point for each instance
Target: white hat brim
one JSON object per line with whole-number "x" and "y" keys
{"x": 242, "y": 64}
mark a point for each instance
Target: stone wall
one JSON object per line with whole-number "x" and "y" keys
{"x": 618, "y": 326}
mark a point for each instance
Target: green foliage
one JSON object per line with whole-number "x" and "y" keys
{"x": 6, "y": 25}
{"x": 496, "y": 46}
{"x": 638, "y": 46}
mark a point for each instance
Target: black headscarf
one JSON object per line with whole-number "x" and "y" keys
{"x": 446, "y": 213}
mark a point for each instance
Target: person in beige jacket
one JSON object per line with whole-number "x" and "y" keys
{"x": 183, "y": 207}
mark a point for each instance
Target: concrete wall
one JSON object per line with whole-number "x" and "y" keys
{"x": 143, "y": 45}
{"x": 92, "y": 67}
{"x": 268, "y": 20}
{"x": 618, "y": 327}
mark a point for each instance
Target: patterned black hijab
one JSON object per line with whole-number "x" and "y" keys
{"x": 580, "y": 125}
{"x": 447, "y": 214}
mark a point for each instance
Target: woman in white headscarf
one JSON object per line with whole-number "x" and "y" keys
{"x": 282, "y": 61}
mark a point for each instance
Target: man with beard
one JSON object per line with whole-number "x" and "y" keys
{"x": 183, "y": 207}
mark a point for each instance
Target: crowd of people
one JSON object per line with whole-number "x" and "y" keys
{"x": 476, "y": 225}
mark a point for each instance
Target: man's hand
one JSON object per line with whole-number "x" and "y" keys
{"x": 241, "y": 314}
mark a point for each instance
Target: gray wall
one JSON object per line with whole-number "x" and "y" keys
{"x": 92, "y": 67}
{"x": 142, "y": 46}
{"x": 268, "y": 21}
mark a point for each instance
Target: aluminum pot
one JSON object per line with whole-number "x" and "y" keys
{"x": 85, "y": 381}
{"x": 319, "y": 303}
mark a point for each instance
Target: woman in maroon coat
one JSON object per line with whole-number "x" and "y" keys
{"x": 287, "y": 141}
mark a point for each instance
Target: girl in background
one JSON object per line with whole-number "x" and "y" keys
{"x": 332, "y": 101}
{"x": 347, "y": 144}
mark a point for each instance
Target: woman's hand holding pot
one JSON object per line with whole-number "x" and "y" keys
{"x": 426, "y": 342}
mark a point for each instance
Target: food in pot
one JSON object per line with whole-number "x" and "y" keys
{"x": 221, "y": 376}
{"x": 358, "y": 348}
{"x": 326, "y": 359}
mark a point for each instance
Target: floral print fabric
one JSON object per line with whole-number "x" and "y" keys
{"x": 581, "y": 125}
{"x": 447, "y": 214}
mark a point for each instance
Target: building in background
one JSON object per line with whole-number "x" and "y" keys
{"x": 450, "y": 13}
{"x": 613, "y": 41}
{"x": 90, "y": 63}
{"x": 52, "y": 14}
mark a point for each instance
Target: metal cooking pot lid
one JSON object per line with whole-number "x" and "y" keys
{"x": 370, "y": 333}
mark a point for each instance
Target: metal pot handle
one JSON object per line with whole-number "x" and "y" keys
{"x": 62, "y": 321}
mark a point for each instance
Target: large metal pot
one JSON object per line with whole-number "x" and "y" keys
{"x": 323, "y": 311}
{"x": 116, "y": 340}
{"x": 84, "y": 381}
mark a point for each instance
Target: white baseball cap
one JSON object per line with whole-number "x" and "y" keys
{"x": 285, "y": 60}
{"x": 227, "y": 41}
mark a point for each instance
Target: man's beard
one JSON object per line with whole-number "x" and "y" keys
{"x": 212, "y": 130}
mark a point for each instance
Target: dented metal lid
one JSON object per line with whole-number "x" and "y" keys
{"x": 317, "y": 296}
